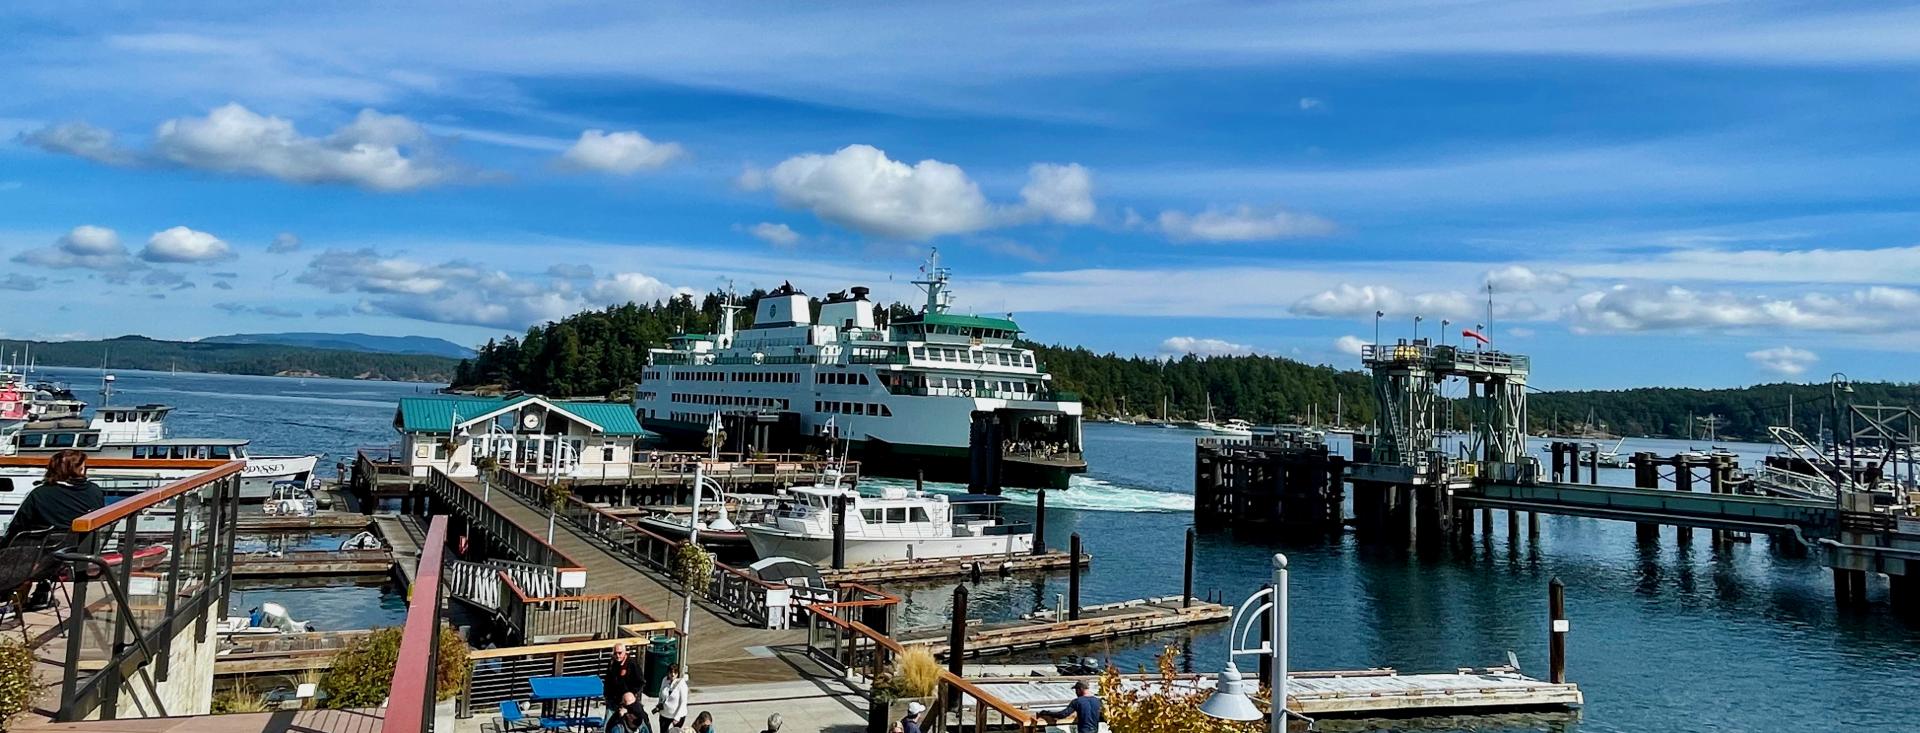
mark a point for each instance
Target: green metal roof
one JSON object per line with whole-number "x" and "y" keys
{"x": 436, "y": 414}
{"x": 951, "y": 319}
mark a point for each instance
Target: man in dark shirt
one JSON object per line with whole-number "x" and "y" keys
{"x": 622, "y": 676}
{"x": 1085, "y": 709}
{"x": 63, "y": 496}
{"x": 631, "y": 717}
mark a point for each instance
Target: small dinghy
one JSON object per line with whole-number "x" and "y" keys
{"x": 363, "y": 541}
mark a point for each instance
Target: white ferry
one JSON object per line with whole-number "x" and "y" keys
{"x": 932, "y": 392}
{"x": 140, "y": 433}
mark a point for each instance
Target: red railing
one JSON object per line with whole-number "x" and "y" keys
{"x": 413, "y": 692}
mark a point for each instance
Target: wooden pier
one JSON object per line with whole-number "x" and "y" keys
{"x": 283, "y": 652}
{"x": 312, "y": 563}
{"x": 1104, "y": 621}
{"x": 402, "y": 535}
{"x": 327, "y": 521}
{"x": 1366, "y": 693}
{"x": 894, "y": 571}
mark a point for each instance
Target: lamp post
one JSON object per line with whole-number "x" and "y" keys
{"x": 1836, "y": 385}
{"x": 1377, "y": 315}
{"x": 1444, "y": 323}
{"x": 701, "y": 482}
{"x": 1229, "y": 700}
{"x": 1416, "y": 327}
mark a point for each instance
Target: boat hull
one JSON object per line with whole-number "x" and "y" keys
{"x": 768, "y": 542}
{"x": 262, "y": 472}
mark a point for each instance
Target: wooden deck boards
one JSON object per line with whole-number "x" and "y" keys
{"x": 714, "y": 638}
{"x": 1107, "y": 621}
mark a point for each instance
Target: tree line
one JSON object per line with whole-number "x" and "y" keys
{"x": 140, "y": 352}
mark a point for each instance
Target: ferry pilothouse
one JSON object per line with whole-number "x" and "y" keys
{"x": 926, "y": 395}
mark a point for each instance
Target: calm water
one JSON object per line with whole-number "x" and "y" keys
{"x": 1678, "y": 637}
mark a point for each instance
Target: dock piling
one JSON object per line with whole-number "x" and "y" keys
{"x": 1557, "y": 641}
{"x": 957, "y": 635}
{"x": 1073, "y": 577}
{"x": 1186, "y": 580}
{"x": 1040, "y": 523}
{"x": 839, "y": 532}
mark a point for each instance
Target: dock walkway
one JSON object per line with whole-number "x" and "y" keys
{"x": 1358, "y": 693}
{"x": 714, "y": 638}
{"x": 1105, "y": 621}
{"x": 402, "y": 535}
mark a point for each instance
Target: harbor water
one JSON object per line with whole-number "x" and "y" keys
{"x": 1671, "y": 637}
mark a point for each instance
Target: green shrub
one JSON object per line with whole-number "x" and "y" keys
{"x": 18, "y": 684}
{"x": 362, "y": 673}
{"x": 239, "y": 701}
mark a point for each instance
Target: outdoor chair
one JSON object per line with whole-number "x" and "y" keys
{"x": 512, "y": 719}
{"x": 27, "y": 558}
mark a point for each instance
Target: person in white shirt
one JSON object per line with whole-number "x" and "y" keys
{"x": 672, "y": 708}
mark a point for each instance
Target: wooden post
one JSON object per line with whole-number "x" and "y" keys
{"x": 957, "y": 632}
{"x": 1040, "y": 523}
{"x": 1513, "y": 525}
{"x": 839, "y": 531}
{"x": 1682, "y": 481}
{"x": 1557, "y": 641}
{"x": 1186, "y": 583}
{"x": 1073, "y": 577}
{"x": 1593, "y": 474}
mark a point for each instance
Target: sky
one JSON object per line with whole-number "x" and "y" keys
{"x": 1634, "y": 193}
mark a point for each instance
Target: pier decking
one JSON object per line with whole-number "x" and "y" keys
{"x": 1096, "y": 622}
{"x": 950, "y": 567}
{"x": 1355, "y": 693}
{"x": 309, "y": 563}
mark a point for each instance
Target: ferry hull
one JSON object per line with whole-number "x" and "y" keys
{"x": 947, "y": 464}
{"x": 819, "y": 550}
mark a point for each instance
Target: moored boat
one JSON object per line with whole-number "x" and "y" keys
{"x": 897, "y": 524}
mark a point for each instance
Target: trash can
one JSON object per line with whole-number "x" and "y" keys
{"x": 663, "y": 654}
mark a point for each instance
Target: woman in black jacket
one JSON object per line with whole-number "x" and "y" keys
{"x": 63, "y": 496}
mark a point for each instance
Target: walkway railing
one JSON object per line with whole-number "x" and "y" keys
{"x": 130, "y": 604}
{"x": 414, "y": 689}
{"x": 736, "y": 591}
{"x": 853, "y": 649}
{"x": 525, "y": 544}
{"x": 570, "y": 618}
{"x": 479, "y": 583}
{"x": 501, "y": 674}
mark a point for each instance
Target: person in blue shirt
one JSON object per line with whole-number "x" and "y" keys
{"x": 1085, "y": 709}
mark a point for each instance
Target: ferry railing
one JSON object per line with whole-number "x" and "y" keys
{"x": 858, "y": 652}
{"x": 415, "y": 687}
{"x": 127, "y": 607}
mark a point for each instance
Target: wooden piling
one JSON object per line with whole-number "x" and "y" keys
{"x": 1682, "y": 481}
{"x": 957, "y": 638}
{"x": 1513, "y": 525}
{"x": 1040, "y": 523}
{"x": 1073, "y": 577}
{"x": 839, "y": 532}
{"x": 1557, "y": 640}
{"x": 1186, "y": 581}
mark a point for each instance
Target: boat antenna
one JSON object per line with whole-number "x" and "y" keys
{"x": 934, "y": 282}
{"x": 1489, "y": 308}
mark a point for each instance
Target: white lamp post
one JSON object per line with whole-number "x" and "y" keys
{"x": 1229, "y": 700}
{"x": 722, "y": 524}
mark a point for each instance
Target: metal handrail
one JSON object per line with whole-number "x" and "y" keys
{"x": 119, "y": 597}
{"x": 124, "y": 508}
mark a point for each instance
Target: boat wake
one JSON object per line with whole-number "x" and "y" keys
{"x": 1083, "y": 494}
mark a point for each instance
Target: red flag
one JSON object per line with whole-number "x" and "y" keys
{"x": 1475, "y": 335}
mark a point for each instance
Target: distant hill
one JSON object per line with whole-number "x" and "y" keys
{"x": 351, "y": 342}
{"x": 140, "y": 352}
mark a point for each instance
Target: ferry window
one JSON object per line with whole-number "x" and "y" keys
{"x": 60, "y": 440}
{"x": 886, "y": 411}
{"x": 871, "y": 516}
{"x": 222, "y": 452}
{"x": 90, "y": 440}
{"x": 29, "y": 441}
{"x": 896, "y": 514}
{"x": 920, "y": 515}
{"x": 859, "y": 408}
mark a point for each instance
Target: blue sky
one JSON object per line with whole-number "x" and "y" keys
{"x": 1685, "y": 193}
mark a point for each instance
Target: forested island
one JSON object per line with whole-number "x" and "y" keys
{"x": 140, "y": 352}
{"x": 600, "y": 353}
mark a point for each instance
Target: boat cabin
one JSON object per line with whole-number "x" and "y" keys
{"x": 528, "y": 433}
{"x": 219, "y": 449}
{"x": 131, "y": 424}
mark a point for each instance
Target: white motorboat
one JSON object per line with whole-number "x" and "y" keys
{"x": 268, "y": 620}
{"x": 1236, "y": 428}
{"x": 898, "y": 524}
{"x": 140, "y": 433}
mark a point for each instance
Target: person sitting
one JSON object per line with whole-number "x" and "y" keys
{"x": 703, "y": 723}
{"x": 1085, "y": 709}
{"x": 63, "y": 495}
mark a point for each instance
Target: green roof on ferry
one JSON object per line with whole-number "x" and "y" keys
{"x": 962, "y": 321}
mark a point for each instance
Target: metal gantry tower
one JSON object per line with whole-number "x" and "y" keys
{"x": 1407, "y": 377}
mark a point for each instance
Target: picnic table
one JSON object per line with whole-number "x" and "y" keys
{"x": 568, "y": 700}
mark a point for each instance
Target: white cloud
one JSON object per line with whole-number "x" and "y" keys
{"x": 1310, "y": 103}
{"x": 284, "y": 242}
{"x": 632, "y": 287}
{"x": 570, "y": 271}
{"x": 860, "y": 188}
{"x": 779, "y": 235}
{"x": 1063, "y": 193}
{"x": 1786, "y": 361}
{"x": 1349, "y": 345}
{"x": 468, "y": 293}
{"x": 271, "y": 311}
{"x": 1350, "y": 301}
{"x": 1520, "y": 278}
{"x": 624, "y": 153}
{"x": 376, "y": 151}
{"x": 1179, "y": 345}
{"x": 1241, "y": 224}
{"x": 181, "y": 244}
{"x": 1651, "y": 308}
{"x": 85, "y": 247}
{"x": 81, "y": 140}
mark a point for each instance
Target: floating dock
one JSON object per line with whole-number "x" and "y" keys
{"x": 326, "y": 521}
{"x": 269, "y": 654}
{"x": 1363, "y": 693}
{"x": 951, "y": 567}
{"x": 310, "y": 563}
{"x": 1104, "y": 621}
